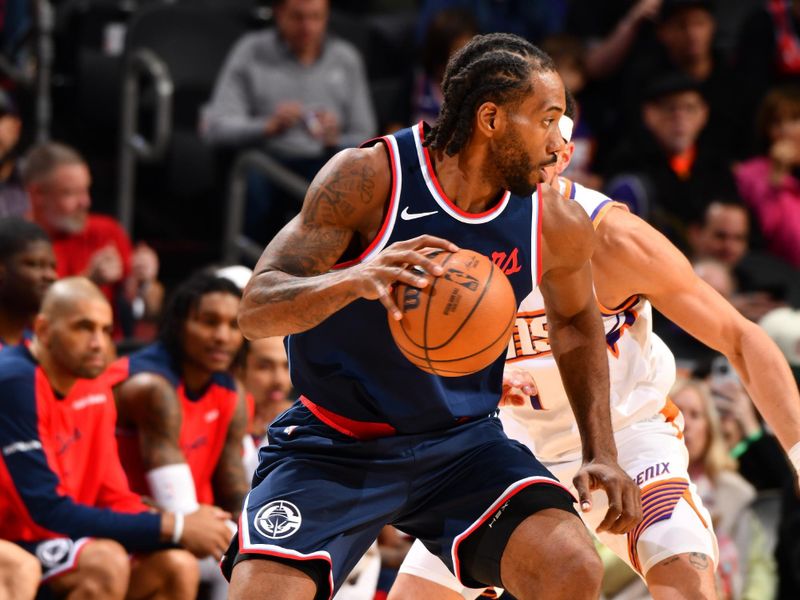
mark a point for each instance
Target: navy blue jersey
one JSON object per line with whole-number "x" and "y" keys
{"x": 349, "y": 370}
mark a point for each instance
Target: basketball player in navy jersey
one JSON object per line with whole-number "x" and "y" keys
{"x": 373, "y": 439}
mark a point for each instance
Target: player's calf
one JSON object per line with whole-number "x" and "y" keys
{"x": 264, "y": 579}
{"x": 550, "y": 555}
{"x": 102, "y": 572}
{"x": 19, "y": 573}
{"x": 688, "y": 576}
{"x": 172, "y": 574}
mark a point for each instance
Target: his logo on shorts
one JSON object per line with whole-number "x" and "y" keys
{"x": 53, "y": 552}
{"x": 278, "y": 520}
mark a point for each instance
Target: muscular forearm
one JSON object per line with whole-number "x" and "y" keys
{"x": 277, "y": 303}
{"x": 579, "y": 349}
{"x": 769, "y": 381}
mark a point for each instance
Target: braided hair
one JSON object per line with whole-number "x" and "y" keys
{"x": 494, "y": 67}
{"x": 185, "y": 299}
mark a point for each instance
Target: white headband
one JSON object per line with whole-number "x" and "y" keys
{"x": 565, "y": 125}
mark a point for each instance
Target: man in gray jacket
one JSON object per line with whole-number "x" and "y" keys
{"x": 294, "y": 91}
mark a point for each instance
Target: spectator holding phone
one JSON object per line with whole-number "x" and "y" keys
{"x": 295, "y": 91}
{"x": 760, "y": 458}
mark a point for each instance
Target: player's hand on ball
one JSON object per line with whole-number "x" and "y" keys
{"x": 518, "y": 387}
{"x": 624, "y": 497}
{"x": 396, "y": 263}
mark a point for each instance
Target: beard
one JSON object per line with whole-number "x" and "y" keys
{"x": 513, "y": 166}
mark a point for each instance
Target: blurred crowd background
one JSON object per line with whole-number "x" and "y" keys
{"x": 150, "y": 139}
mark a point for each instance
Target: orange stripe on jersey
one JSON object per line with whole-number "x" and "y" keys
{"x": 671, "y": 412}
{"x": 604, "y": 211}
{"x": 610, "y": 312}
{"x": 658, "y": 503}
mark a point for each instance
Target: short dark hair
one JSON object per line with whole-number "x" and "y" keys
{"x": 780, "y": 102}
{"x": 183, "y": 301}
{"x": 16, "y": 234}
{"x": 494, "y": 67}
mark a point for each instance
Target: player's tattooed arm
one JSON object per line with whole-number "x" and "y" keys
{"x": 230, "y": 481}
{"x": 293, "y": 288}
{"x": 577, "y": 339}
{"x": 149, "y": 403}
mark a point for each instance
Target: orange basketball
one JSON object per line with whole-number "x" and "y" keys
{"x": 462, "y": 321}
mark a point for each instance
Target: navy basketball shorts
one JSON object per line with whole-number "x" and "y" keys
{"x": 57, "y": 556}
{"x": 320, "y": 497}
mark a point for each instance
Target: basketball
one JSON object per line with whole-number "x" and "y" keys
{"x": 459, "y": 323}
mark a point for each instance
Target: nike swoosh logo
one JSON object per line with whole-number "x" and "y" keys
{"x": 407, "y": 216}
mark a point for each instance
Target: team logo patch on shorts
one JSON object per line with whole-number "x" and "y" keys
{"x": 53, "y": 552}
{"x": 278, "y": 520}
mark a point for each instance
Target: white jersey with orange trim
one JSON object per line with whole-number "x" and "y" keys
{"x": 641, "y": 367}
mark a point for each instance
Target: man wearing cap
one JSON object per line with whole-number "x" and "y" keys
{"x": 13, "y": 199}
{"x": 685, "y": 32}
{"x": 680, "y": 169}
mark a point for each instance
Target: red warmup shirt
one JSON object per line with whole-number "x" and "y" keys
{"x": 73, "y": 251}
{"x": 60, "y": 472}
{"x": 207, "y": 416}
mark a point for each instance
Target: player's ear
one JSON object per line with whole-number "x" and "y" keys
{"x": 41, "y": 327}
{"x": 489, "y": 119}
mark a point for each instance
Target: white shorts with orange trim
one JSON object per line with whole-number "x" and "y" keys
{"x": 675, "y": 521}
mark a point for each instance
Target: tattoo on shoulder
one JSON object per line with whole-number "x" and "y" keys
{"x": 698, "y": 561}
{"x": 332, "y": 199}
{"x": 670, "y": 560}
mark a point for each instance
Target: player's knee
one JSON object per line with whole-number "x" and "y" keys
{"x": 179, "y": 573}
{"x": 19, "y": 574}
{"x": 28, "y": 573}
{"x": 580, "y": 566}
{"x": 104, "y": 569}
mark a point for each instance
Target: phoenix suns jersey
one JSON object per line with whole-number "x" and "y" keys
{"x": 641, "y": 367}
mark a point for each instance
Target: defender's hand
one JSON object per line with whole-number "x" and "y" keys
{"x": 518, "y": 387}
{"x": 373, "y": 279}
{"x": 624, "y": 497}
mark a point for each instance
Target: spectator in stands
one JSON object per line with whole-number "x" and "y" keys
{"x": 27, "y": 268}
{"x": 769, "y": 184}
{"x": 182, "y": 417}
{"x": 531, "y": 19}
{"x": 297, "y": 92}
{"x": 685, "y": 33}
{"x": 13, "y": 199}
{"x": 265, "y": 375}
{"x": 759, "y": 455}
{"x": 763, "y": 281}
{"x": 746, "y": 569}
{"x": 20, "y": 573}
{"x": 57, "y": 179}
{"x": 448, "y": 31}
{"x": 614, "y": 32}
{"x": 679, "y": 167}
{"x": 768, "y": 50}
{"x": 65, "y": 496}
